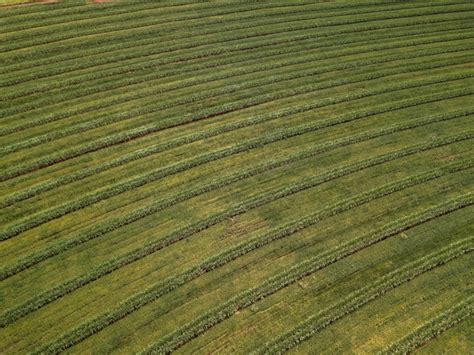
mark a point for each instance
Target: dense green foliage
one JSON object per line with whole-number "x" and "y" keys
{"x": 236, "y": 177}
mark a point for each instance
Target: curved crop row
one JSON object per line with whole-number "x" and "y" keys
{"x": 131, "y": 93}
{"x": 131, "y": 21}
{"x": 82, "y": 174}
{"x": 237, "y": 87}
{"x": 59, "y": 36}
{"x": 143, "y": 298}
{"x": 142, "y": 131}
{"x": 224, "y": 59}
{"x": 23, "y": 31}
{"x": 212, "y": 48}
{"x": 268, "y": 287}
{"x": 159, "y": 173}
{"x": 359, "y": 298}
{"x": 123, "y": 43}
{"x": 98, "y": 14}
{"x": 69, "y": 286}
{"x": 432, "y": 328}
{"x": 193, "y": 21}
{"x": 116, "y": 223}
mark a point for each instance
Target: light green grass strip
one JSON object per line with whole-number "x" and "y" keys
{"x": 143, "y": 298}
{"x": 432, "y": 328}
{"x": 71, "y": 285}
{"x": 361, "y": 297}
{"x": 245, "y": 299}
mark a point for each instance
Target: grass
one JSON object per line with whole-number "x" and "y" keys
{"x": 267, "y": 177}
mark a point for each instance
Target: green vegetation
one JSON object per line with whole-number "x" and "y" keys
{"x": 236, "y": 177}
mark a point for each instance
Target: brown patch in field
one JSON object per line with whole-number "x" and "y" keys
{"x": 238, "y": 228}
{"x": 101, "y": 1}
{"x": 31, "y": 2}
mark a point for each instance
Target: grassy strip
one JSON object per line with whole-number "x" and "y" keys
{"x": 128, "y": 96}
{"x": 118, "y": 222}
{"x": 52, "y": 213}
{"x": 148, "y": 72}
{"x": 76, "y": 176}
{"x": 141, "y": 299}
{"x": 142, "y": 131}
{"x": 144, "y": 24}
{"x": 163, "y": 28}
{"x": 218, "y": 46}
{"x": 137, "y": 254}
{"x": 127, "y": 39}
{"x": 237, "y": 87}
{"x": 203, "y": 22}
{"x": 432, "y": 328}
{"x": 364, "y": 295}
{"x": 246, "y": 298}
{"x": 123, "y": 21}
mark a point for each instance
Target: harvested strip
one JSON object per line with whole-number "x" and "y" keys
{"x": 139, "y": 300}
{"x": 137, "y": 254}
{"x": 359, "y": 298}
{"x": 245, "y": 299}
{"x": 433, "y": 328}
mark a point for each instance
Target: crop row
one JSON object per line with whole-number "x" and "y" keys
{"x": 160, "y": 173}
{"x": 142, "y": 131}
{"x": 216, "y": 47}
{"x": 143, "y": 298}
{"x": 195, "y": 22}
{"x": 127, "y": 93}
{"x": 123, "y": 41}
{"x": 305, "y": 268}
{"x": 347, "y": 117}
{"x": 152, "y": 17}
{"x": 62, "y": 11}
{"x": 361, "y": 297}
{"x": 432, "y": 328}
{"x": 256, "y": 47}
{"x": 239, "y": 87}
{"x": 68, "y": 19}
{"x": 279, "y": 51}
{"x": 116, "y": 223}
{"x": 142, "y": 25}
{"x": 172, "y": 17}
{"x": 71, "y": 285}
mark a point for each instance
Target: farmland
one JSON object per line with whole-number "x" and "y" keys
{"x": 236, "y": 177}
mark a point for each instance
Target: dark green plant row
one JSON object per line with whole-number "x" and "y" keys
{"x": 100, "y": 25}
{"x": 250, "y": 84}
{"x": 192, "y": 24}
{"x": 142, "y": 153}
{"x": 99, "y": 14}
{"x": 361, "y": 297}
{"x": 243, "y": 300}
{"x": 119, "y": 41}
{"x": 143, "y": 298}
{"x": 432, "y": 328}
{"x": 131, "y": 183}
{"x": 118, "y": 222}
{"x": 144, "y": 25}
{"x": 130, "y": 93}
{"x": 122, "y": 13}
{"x": 69, "y": 286}
{"x": 147, "y": 67}
{"x": 217, "y": 47}
{"x": 142, "y": 131}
